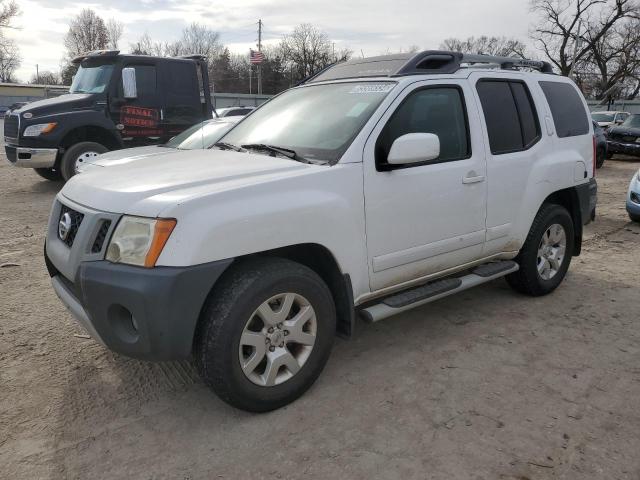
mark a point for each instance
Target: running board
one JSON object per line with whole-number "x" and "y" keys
{"x": 415, "y": 297}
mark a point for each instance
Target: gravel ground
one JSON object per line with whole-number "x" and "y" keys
{"x": 485, "y": 385}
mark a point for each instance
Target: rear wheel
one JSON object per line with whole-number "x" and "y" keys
{"x": 600, "y": 156}
{"x": 265, "y": 334}
{"x": 52, "y": 174}
{"x": 77, "y": 154}
{"x": 546, "y": 254}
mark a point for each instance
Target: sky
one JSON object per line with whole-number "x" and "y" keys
{"x": 368, "y": 27}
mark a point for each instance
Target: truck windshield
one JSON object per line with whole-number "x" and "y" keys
{"x": 632, "y": 121}
{"x": 318, "y": 122}
{"x": 91, "y": 78}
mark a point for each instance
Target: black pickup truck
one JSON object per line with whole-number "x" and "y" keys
{"x": 115, "y": 101}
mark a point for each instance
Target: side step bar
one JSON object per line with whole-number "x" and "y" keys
{"x": 415, "y": 297}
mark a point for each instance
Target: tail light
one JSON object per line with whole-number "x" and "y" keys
{"x": 593, "y": 164}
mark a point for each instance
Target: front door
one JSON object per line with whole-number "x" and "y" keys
{"x": 140, "y": 119}
{"x": 429, "y": 217}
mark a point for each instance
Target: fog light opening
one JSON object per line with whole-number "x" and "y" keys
{"x": 124, "y": 324}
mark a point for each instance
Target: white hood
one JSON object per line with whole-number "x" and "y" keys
{"x": 151, "y": 184}
{"x": 126, "y": 155}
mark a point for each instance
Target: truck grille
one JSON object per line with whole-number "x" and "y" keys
{"x": 76, "y": 220}
{"x": 11, "y": 126}
{"x": 101, "y": 236}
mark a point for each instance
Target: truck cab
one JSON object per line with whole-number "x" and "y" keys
{"x": 115, "y": 101}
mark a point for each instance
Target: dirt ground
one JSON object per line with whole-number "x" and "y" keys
{"x": 485, "y": 385}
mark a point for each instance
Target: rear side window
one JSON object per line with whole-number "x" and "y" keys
{"x": 512, "y": 122}
{"x": 437, "y": 110}
{"x": 567, "y": 109}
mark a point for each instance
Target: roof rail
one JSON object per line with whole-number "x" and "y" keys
{"x": 427, "y": 62}
{"x": 95, "y": 53}
{"x": 193, "y": 56}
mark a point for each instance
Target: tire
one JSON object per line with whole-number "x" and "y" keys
{"x": 70, "y": 157}
{"x": 231, "y": 311}
{"x": 600, "y": 156}
{"x": 609, "y": 155}
{"x": 52, "y": 174}
{"x": 634, "y": 218}
{"x": 529, "y": 280}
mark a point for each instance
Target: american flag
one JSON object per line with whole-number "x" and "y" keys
{"x": 256, "y": 57}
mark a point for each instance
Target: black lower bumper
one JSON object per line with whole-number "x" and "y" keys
{"x": 623, "y": 147}
{"x": 588, "y": 198}
{"x": 143, "y": 313}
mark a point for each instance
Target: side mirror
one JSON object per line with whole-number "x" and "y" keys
{"x": 129, "y": 83}
{"x": 619, "y": 121}
{"x": 414, "y": 148}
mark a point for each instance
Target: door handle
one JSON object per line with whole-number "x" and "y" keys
{"x": 477, "y": 179}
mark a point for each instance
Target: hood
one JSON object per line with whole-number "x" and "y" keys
{"x": 127, "y": 155}
{"x": 147, "y": 186}
{"x": 63, "y": 103}
{"x": 625, "y": 131}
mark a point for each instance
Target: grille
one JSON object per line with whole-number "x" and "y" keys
{"x": 11, "y": 152}
{"x": 101, "y": 236}
{"x": 76, "y": 220}
{"x": 11, "y": 126}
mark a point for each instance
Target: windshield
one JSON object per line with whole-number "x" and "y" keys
{"x": 319, "y": 122}
{"x": 201, "y": 135}
{"x": 91, "y": 78}
{"x": 603, "y": 117}
{"x": 632, "y": 121}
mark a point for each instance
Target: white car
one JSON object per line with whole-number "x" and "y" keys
{"x": 199, "y": 136}
{"x": 233, "y": 111}
{"x": 610, "y": 118}
{"x": 375, "y": 187}
{"x": 633, "y": 198}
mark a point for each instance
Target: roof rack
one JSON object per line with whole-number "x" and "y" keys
{"x": 427, "y": 62}
{"x": 193, "y": 56}
{"x": 95, "y": 53}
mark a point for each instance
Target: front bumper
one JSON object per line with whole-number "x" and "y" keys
{"x": 31, "y": 157}
{"x": 145, "y": 313}
{"x": 623, "y": 147}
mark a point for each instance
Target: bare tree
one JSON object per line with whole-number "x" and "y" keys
{"x": 562, "y": 23}
{"x": 87, "y": 32}
{"x": 307, "y": 49}
{"x": 9, "y": 61}
{"x": 46, "y": 78}
{"x": 114, "y": 32}
{"x": 197, "y": 39}
{"x": 500, "y": 46}
{"x": 8, "y": 11}
{"x": 146, "y": 46}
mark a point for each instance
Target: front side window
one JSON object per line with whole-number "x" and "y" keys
{"x": 567, "y": 109}
{"x": 319, "y": 122}
{"x": 146, "y": 81}
{"x": 510, "y": 115}
{"x": 92, "y": 78}
{"x": 437, "y": 110}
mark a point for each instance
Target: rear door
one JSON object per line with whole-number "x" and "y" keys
{"x": 425, "y": 218}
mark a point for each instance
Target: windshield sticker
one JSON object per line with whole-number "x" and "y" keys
{"x": 357, "y": 109}
{"x": 372, "y": 88}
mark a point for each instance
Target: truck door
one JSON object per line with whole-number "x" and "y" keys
{"x": 139, "y": 119}
{"x": 426, "y": 217}
{"x": 183, "y": 96}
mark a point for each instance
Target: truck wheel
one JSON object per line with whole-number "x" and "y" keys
{"x": 546, "y": 254}
{"x": 52, "y": 174}
{"x": 600, "y": 156}
{"x": 78, "y": 153}
{"x": 265, "y": 333}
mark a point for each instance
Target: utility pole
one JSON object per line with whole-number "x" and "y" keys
{"x": 37, "y": 75}
{"x": 260, "y": 50}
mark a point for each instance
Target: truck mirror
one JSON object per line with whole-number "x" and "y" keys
{"x": 129, "y": 87}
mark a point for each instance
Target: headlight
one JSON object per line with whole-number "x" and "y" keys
{"x": 139, "y": 241}
{"x": 37, "y": 130}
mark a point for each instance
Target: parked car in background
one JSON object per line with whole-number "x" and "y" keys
{"x": 601, "y": 144}
{"x": 200, "y": 136}
{"x": 625, "y": 138}
{"x": 3, "y": 111}
{"x": 609, "y": 118}
{"x": 633, "y": 198}
{"x": 233, "y": 111}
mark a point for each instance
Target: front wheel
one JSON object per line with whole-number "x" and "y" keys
{"x": 546, "y": 254}
{"x": 77, "y": 154}
{"x": 634, "y": 218}
{"x": 52, "y": 174}
{"x": 265, "y": 333}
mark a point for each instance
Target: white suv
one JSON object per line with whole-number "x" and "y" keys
{"x": 377, "y": 186}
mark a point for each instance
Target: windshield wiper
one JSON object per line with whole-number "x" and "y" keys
{"x": 287, "y": 152}
{"x": 228, "y": 146}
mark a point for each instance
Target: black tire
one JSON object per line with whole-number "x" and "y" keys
{"x": 528, "y": 280}
{"x": 600, "y": 156}
{"x": 52, "y": 174}
{"x": 634, "y": 218}
{"x": 228, "y": 309}
{"x": 609, "y": 155}
{"x": 68, "y": 162}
